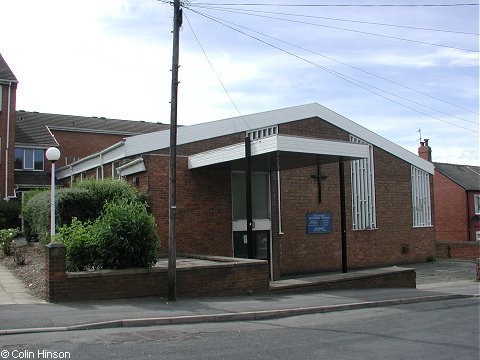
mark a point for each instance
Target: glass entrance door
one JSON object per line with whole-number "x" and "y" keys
{"x": 260, "y": 212}
{"x": 260, "y": 248}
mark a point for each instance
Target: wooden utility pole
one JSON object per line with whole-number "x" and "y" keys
{"x": 172, "y": 173}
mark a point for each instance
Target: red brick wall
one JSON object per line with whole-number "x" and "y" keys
{"x": 299, "y": 252}
{"x": 204, "y": 220}
{"x": 76, "y": 145}
{"x": 451, "y": 222}
{"x": 465, "y": 250}
{"x": 221, "y": 278}
{"x": 3, "y": 135}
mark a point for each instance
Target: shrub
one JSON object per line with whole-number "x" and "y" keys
{"x": 123, "y": 236}
{"x": 128, "y": 235}
{"x": 36, "y": 215}
{"x": 80, "y": 244}
{"x": 109, "y": 189}
{"x": 9, "y": 214}
{"x": 76, "y": 203}
{"x": 84, "y": 201}
{"x": 6, "y": 237}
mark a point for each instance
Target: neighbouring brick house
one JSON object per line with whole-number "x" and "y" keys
{"x": 24, "y": 137}
{"x": 457, "y": 207}
{"x": 75, "y": 136}
{"x": 327, "y": 194}
{"x": 8, "y": 86}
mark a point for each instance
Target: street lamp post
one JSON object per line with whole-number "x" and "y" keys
{"x": 52, "y": 154}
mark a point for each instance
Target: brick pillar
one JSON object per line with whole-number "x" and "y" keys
{"x": 56, "y": 272}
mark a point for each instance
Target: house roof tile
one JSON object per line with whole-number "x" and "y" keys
{"x": 5, "y": 72}
{"x": 32, "y": 128}
{"x": 466, "y": 176}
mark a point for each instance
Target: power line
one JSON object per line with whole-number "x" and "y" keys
{"x": 366, "y": 72}
{"x": 216, "y": 74}
{"x": 338, "y": 19}
{"x": 344, "y": 77}
{"x": 341, "y": 5}
{"x": 356, "y": 31}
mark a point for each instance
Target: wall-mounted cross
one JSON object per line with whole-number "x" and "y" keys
{"x": 319, "y": 178}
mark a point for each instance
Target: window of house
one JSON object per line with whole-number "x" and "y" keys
{"x": 421, "y": 198}
{"x": 28, "y": 159}
{"x": 476, "y": 200}
{"x": 362, "y": 176}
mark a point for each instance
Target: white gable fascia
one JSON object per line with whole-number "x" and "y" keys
{"x": 133, "y": 167}
{"x": 280, "y": 143}
{"x": 160, "y": 140}
{"x": 112, "y": 153}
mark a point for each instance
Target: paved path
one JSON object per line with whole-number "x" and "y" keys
{"x": 21, "y": 313}
{"x": 13, "y": 291}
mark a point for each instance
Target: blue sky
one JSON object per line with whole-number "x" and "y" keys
{"x": 112, "y": 58}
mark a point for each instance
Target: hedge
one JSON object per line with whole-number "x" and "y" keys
{"x": 84, "y": 201}
{"x": 123, "y": 236}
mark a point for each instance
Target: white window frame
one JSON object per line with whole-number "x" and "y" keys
{"x": 362, "y": 178}
{"x": 24, "y": 157}
{"x": 476, "y": 201}
{"x": 421, "y": 206}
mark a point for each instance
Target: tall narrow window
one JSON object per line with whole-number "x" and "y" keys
{"x": 476, "y": 200}
{"x": 421, "y": 198}
{"x": 363, "y": 190}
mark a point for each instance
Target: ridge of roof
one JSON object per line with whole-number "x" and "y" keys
{"x": 31, "y": 126}
{"x": 5, "y": 71}
{"x": 159, "y": 140}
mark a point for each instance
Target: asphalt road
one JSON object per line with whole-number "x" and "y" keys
{"x": 431, "y": 330}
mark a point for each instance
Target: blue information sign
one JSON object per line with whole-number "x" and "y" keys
{"x": 319, "y": 223}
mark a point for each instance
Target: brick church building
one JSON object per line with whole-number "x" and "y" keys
{"x": 327, "y": 193}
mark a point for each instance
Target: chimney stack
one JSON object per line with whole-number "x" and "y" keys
{"x": 425, "y": 151}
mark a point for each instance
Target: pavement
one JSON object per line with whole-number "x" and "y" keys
{"x": 23, "y": 313}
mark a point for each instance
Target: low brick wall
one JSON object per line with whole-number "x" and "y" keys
{"x": 225, "y": 277}
{"x": 464, "y": 250}
{"x": 390, "y": 277}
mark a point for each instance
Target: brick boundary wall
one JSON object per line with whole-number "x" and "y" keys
{"x": 464, "y": 250}
{"x": 391, "y": 277}
{"x": 224, "y": 278}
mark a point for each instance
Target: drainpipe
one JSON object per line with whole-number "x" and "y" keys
{"x": 469, "y": 220}
{"x": 7, "y": 146}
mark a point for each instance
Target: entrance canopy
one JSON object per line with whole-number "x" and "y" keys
{"x": 280, "y": 152}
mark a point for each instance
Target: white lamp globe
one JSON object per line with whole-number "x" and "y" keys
{"x": 52, "y": 154}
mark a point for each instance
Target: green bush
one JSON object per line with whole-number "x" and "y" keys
{"x": 76, "y": 203}
{"x": 109, "y": 189}
{"x": 81, "y": 244}
{"x": 9, "y": 214}
{"x": 6, "y": 237}
{"x": 123, "y": 236}
{"x": 128, "y": 235}
{"x": 36, "y": 216}
{"x": 84, "y": 201}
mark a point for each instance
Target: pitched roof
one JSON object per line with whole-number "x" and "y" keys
{"x": 146, "y": 143}
{"x": 466, "y": 176}
{"x": 5, "y": 72}
{"x": 31, "y": 127}
{"x": 151, "y": 142}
